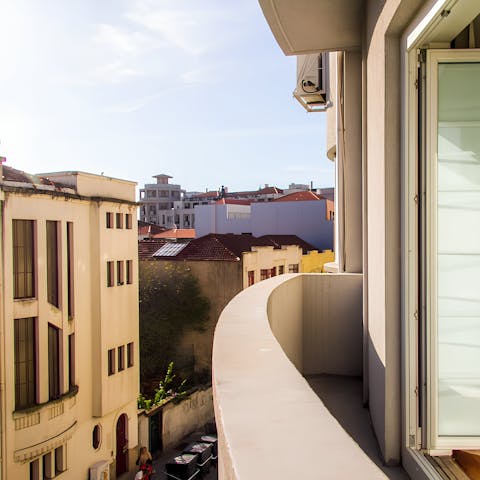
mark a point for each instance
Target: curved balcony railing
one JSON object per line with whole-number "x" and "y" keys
{"x": 270, "y": 422}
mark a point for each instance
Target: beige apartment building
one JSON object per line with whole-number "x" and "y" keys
{"x": 399, "y": 83}
{"x": 69, "y": 325}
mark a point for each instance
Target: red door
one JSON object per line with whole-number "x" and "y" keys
{"x": 122, "y": 445}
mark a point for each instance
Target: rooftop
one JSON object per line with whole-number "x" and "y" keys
{"x": 76, "y": 183}
{"x": 230, "y": 247}
{"x": 303, "y": 196}
{"x": 146, "y": 248}
{"x": 176, "y": 233}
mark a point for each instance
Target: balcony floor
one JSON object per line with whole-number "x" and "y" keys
{"x": 343, "y": 398}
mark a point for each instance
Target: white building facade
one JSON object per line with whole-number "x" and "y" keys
{"x": 157, "y": 202}
{"x": 310, "y": 220}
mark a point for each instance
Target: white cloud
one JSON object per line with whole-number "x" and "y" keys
{"x": 138, "y": 103}
{"x": 185, "y": 28}
{"x": 123, "y": 41}
{"x": 115, "y": 72}
{"x": 199, "y": 75}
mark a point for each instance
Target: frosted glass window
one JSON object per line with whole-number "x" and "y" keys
{"x": 458, "y": 249}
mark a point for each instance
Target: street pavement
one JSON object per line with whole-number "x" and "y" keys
{"x": 159, "y": 462}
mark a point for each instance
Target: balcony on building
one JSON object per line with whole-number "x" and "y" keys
{"x": 287, "y": 366}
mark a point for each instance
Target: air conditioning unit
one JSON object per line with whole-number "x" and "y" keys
{"x": 312, "y": 82}
{"x": 100, "y": 471}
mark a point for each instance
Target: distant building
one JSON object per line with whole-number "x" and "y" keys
{"x": 157, "y": 201}
{"x": 303, "y": 213}
{"x": 69, "y": 320}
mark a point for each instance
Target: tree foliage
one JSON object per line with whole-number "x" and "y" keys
{"x": 171, "y": 303}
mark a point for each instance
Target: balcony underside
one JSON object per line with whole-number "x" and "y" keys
{"x": 310, "y": 26}
{"x": 271, "y": 423}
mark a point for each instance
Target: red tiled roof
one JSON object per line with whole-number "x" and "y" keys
{"x": 280, "y": 240}
{"x": 13, "y": 175}
{"x": 146, "y": 248}
{"x": 233, "y": 201}
{"x": 229, "y": 246}
{"x": 299, "y": 197}
{"x": 206, "y": 195}
{"x": 145, "y": 228}
{"x": 270, "y": 190}
{"x": 176, "y": 233}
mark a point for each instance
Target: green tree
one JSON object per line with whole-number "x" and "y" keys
{"x": 171, "y": 303}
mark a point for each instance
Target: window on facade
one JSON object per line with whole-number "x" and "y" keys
{"x": 293, "y": 268}
{"x": 263, "y": 274}
{"x": 70, "y": 290}
{"x": 281, "y": 269}
{"x": 71, "y": 360}
{"x": 130, "y": 355}
{"x": 25, "y": 362}
{"x": 273, "y": 272}
{"x": 111, "y": 361}
{"x": 48, "y": 468}
{"x": 251, "y": 277}
{"x": 35, "y": 470}
{"x": 60, "y": 464}
{"x": 96, "y": 436}
{"x": 109, "y": 219}
{"x": 23, "y": 259}
{"x": 53, "y": 362}
{"x": 120, "y": 277}
{"x": 52, "y": 263}
{"x": 152, "y": 210}
{"x": 163, "y": 206}
{"x": 163, "y": 193}
{"x": 121, "y": 357}
{"x": 151, "y": 193}
{"x": 128, "y": 221}
{"x": 110, "y": 274}
{"x": 129, "y": 273}
{"x": 119, "y": 220}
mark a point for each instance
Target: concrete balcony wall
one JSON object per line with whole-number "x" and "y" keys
{"x": 270, "y": 422}
{"x": 332, "y": 320}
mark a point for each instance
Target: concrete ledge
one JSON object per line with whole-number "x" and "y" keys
{"x": 270, "y": 423}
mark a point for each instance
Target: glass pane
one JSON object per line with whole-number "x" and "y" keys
{"x": 458, "y": 249}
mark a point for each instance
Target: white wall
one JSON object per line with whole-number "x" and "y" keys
{"x": 214, "y": 219}
{"x": 305, "y": 219}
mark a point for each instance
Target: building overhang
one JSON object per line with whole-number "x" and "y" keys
{"x": 310, "y": 26}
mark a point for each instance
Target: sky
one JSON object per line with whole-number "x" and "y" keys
{"x": 196, "y": 89}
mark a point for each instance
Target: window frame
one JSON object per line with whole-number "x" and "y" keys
{"x": 130, "y": 355}
{"x": 111, "y": 365}
{"x": 29, "y": 259}
{"x": 53, "y": 245}
{"x": 31, "y": 363}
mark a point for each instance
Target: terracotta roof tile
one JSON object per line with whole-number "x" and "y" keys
{"x": 176, "y": 233}
{"x": 146, "y": 248}
{"x": 280, "y": 240}
{"x": 145, "y": 228}
{"x": 233, "y": 201}
{"x": 229, "y": 246}
{"x": 299, "y": 197}
{"x": 13, "y": 175}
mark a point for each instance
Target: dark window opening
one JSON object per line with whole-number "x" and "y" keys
{"x": 23, "y": 259}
